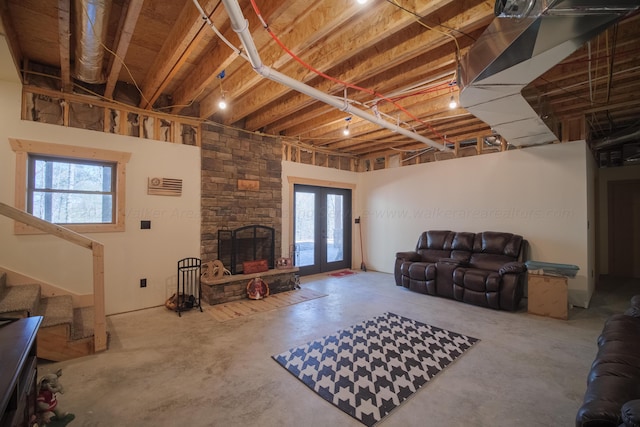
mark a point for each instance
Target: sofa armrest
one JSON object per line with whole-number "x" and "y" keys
{"x": 631, "y": 413}
{"x": 634, "y": 310}
{"x": 512, "y": 267}
{"x": 409, "y": 256}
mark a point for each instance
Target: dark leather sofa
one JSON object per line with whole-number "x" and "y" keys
{"x": 613, "y": 384}
{"x": 484, "y": 269}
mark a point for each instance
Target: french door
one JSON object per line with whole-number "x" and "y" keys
{"x": 321, "y": 228}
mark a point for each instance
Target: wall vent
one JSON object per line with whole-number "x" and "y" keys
{"x": 164, "y": 187}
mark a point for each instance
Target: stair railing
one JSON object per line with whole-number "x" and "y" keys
{"x": 100, "y": 319}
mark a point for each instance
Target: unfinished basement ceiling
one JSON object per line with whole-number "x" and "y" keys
{"x": 379, "y": 57}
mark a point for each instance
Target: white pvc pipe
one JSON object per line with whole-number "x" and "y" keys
{"x": 241, "y": 26}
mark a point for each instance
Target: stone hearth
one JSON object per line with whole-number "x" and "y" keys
{"x": 234, "y": 287}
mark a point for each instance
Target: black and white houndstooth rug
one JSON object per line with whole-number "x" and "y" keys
{"x": 371, "y": 368}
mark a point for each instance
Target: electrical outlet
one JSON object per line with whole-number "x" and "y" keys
{"x": 143, "y": 283}
{"x": 358, "y": 220}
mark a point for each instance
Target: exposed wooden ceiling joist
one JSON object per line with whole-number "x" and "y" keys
{"x": 175, "y": 59}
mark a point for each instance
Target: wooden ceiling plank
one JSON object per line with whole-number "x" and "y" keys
{"x": 127, "y": 24}
{"x": 367, "y": 31}
{"x": 318, "y": 22}
{"x": 12, "y": 37}
{"x": 218, "y": 57}
{"x": 64, "y": 38}
{"x": 364, "y": 65}
{"x": 175, "y": 49}
{"x": 393, "y": 79}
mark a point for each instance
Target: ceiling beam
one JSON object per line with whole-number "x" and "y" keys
{"x": 127, "y": 25}
{"x": 385, "y": 55}
{"x": 64, "y": 38}
{"x": 327, "y": 29}
{"x": 174, "y": 52}
{"x": 433, "y": 65}
{"x": 318, "y": 20}
{"x": 216, "y": 59}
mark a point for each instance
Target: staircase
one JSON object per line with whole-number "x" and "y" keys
{"x": 65, "y": 333}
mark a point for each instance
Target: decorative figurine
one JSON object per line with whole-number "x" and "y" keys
{"x": 49, "y": 414}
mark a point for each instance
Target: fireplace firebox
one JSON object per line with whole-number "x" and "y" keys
{"x": 250, "y": 243}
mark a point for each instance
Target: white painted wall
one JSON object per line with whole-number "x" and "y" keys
{"x": 538, "y": 192}
{"x": 129, "y": 255}
{"x": 8, "y": 71}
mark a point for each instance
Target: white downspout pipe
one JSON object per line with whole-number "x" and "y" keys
{"x": 241, "y": 26}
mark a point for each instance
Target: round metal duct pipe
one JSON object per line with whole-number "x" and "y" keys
{"x": 91, "y": 22}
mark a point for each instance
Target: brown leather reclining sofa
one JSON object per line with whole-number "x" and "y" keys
{"x": 484, "y": 269}
{"x": 612, "y": 397}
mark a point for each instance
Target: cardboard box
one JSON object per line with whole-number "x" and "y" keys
{"x": 548, "y": 296}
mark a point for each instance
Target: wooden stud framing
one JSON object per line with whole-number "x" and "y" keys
{"x": 175, "y": 135}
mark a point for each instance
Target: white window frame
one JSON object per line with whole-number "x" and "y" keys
{"x": 24, "y": 148}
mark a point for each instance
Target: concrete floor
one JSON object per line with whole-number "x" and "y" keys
{"x": 162, "y": 370}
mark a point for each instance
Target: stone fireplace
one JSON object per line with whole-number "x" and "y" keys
{"x": 249, "y": 243}
{"x": 241, "y": 185}
{"x": 229, "y": 159}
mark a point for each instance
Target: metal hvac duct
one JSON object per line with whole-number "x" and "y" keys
{"x": 632, "y": 135}
{"x": 527, "y": 38}
{"x": 91, "y": 24}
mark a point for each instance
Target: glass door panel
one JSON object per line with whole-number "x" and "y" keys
{"x": 335, "y": 229}
{"x": 305, "y": 229}
{"x": 322, "y": 228}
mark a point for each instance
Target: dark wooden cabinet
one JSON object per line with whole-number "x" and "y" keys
{"x": 19, "y": 371}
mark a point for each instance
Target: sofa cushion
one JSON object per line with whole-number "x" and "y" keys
{"x": 492, "y": 242}
{"x": 477, "y": 280}
{"x": 489, "y": 261}
{"x": 435, "y": 239}
{"x": 620, "y": 327}
{"x": 461, "y": 246}
{"x": 433, "y": 255}
{"x": 435, "y": 244}
{"x": 606, "y": 368}
{"x": 422, "y": 271}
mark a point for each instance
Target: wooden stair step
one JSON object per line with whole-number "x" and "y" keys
{"x": 82, "y": 322}
{"x": 56, "y": 310}
{"x": 20, "y": 300}
{"x": 64, "y": 335}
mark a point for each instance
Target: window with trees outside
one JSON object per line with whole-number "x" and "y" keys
{"x": 79, "y": 188}
{"x": 71, "y": 191}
